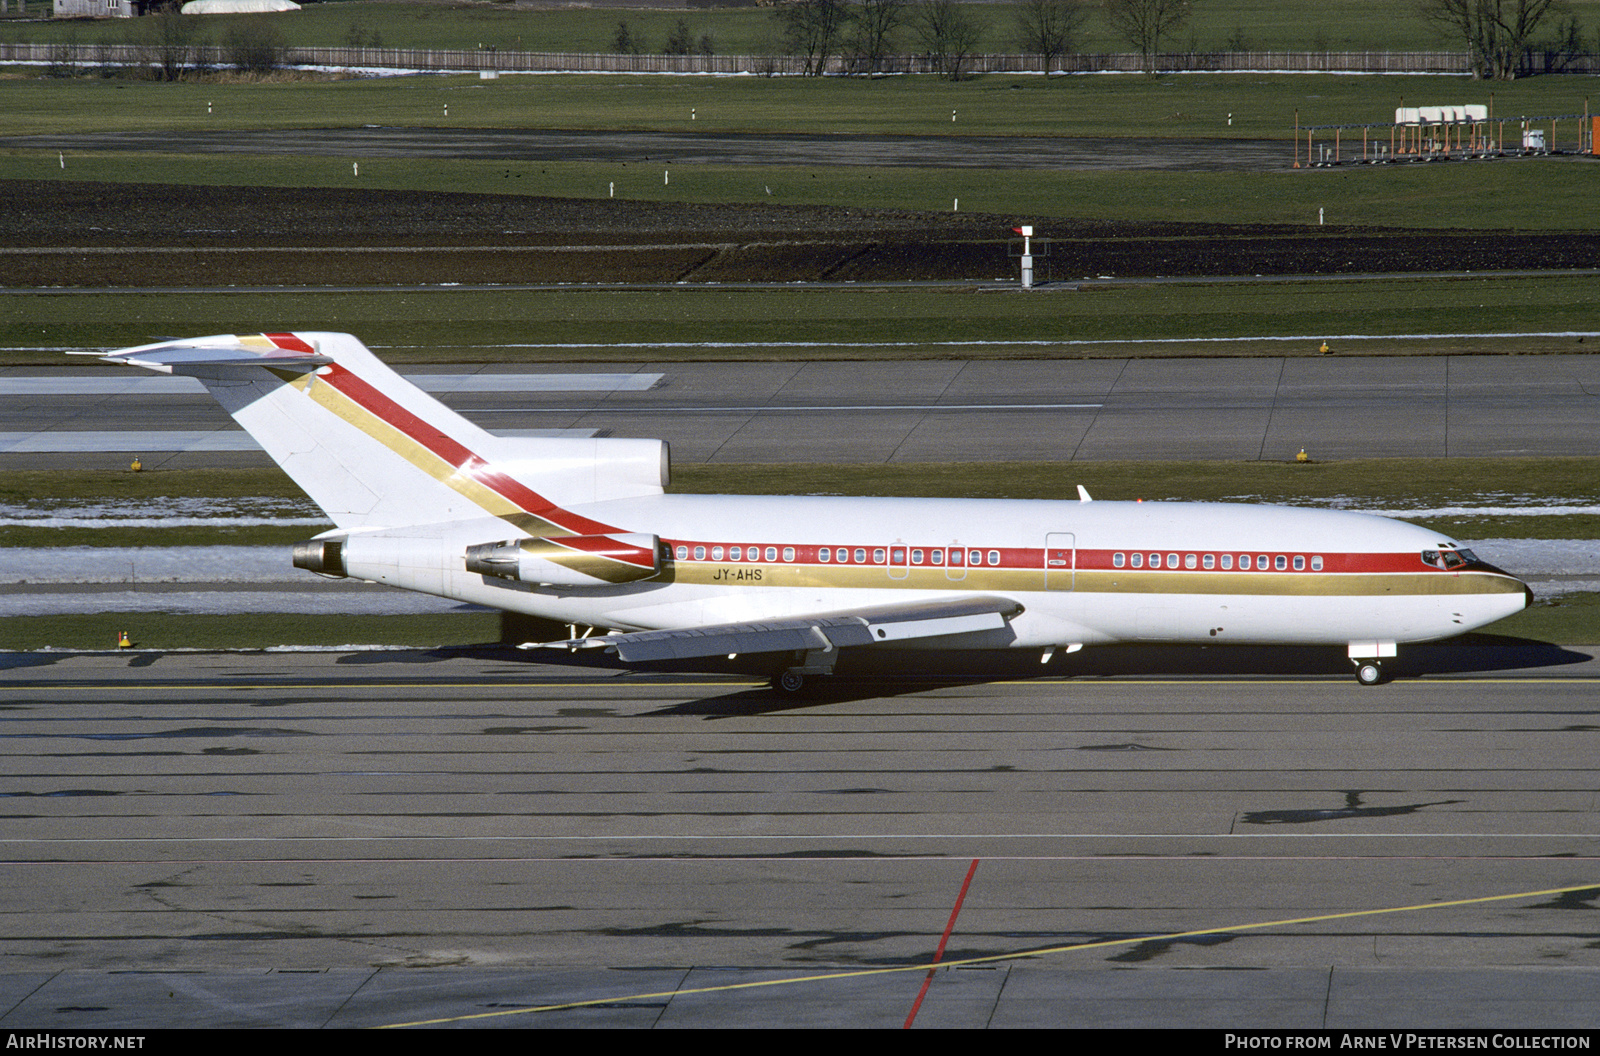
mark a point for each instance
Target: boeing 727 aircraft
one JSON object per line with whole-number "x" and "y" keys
{"x": 583, "y": 532}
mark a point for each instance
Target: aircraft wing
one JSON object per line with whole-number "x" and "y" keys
{"x": 825, "y": 631}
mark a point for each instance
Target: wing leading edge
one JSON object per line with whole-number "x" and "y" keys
{"x": 824, "y": 632}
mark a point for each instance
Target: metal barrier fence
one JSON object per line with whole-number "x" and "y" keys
{"x": 489, "y": 59}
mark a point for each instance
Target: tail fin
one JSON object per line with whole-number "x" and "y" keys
{"x": 374, "y": 451}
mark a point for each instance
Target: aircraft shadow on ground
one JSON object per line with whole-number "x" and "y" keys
{"x": 1468, "y": 653}
{"x": 890, "y": 674}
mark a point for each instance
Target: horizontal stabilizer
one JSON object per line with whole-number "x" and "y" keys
{"x": 826, "y": 631}
{"x": 177, "y": 357}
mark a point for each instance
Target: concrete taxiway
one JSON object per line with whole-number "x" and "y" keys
{"x": 921, "y": 411}
{"x": 375, "y": 839}
{"x": 620, "y": 148}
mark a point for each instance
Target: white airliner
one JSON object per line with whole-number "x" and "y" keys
{"x": 583, "y": 532}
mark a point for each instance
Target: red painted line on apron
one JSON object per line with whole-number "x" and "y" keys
{"x": 938, "y": 955}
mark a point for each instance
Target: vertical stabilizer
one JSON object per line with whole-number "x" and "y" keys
{"x": 374, "y": 451}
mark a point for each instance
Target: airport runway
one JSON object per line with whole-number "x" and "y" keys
{"x": 918, "y": 411}
{"x": 361, "y": 840}
{"x": 711, "y": 148}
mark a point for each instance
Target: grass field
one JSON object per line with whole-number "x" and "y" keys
{"x": 1542, "y": 193}
{"x": 1303, "y": 25}
{"x": 1360, "y": 483}
{"x": 1523, "y": 194}
{"x": 1261, "y": 105}
{"x": 764, "y": 323}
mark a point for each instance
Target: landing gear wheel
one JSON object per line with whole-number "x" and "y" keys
{"x": 789, "y": 682}
{"x": 1369, "y": 673}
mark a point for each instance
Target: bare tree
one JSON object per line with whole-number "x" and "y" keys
{"x": 254, "y": 47}
{"x": 626, "y": 42}
{"x": 1049, "y": 28}
{"x": 168, "y": 39}
{"x": 1495, "y": 32}
{"x": 1556, "y": 53}
{"x": 680, "y": 41}
{"x": 871, "y": 38}
{"x": 65, "y": 56}
{"x": 949, "y": 32}
{"x": 1142, "y": 23}
{"x": 812, "y": 29}
{"x": 358, "y": 36}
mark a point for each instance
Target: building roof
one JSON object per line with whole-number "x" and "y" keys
{"x": 237, "y": 7}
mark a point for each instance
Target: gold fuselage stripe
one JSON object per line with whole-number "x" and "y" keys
{"x": 1120, "y": 581}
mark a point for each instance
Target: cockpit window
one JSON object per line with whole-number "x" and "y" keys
{"x": 1448, "y": 559}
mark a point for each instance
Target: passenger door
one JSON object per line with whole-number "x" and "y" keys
{"x": 1060, "y": 560}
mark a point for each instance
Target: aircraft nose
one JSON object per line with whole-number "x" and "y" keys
{"x": 1527, "y": 591}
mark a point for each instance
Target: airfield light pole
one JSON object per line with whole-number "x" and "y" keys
{"x": 1026, "y": 231}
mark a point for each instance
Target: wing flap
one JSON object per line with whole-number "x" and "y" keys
{"x": 824, "y": 631}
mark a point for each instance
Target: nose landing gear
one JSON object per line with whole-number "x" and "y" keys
{"x": 1370, "y": 673}
{"x": 1368, "y": 656}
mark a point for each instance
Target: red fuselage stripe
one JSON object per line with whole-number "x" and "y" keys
{"x": 1085, "y": 560}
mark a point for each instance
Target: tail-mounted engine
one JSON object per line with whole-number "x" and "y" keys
{"x": 569, "y": 560}
{"x": 322, "y": 556}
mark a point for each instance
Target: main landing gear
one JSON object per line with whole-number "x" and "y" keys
{"x": 789, "y": 682}
{"x": 793, "y": 680}
{"x": 1370, "y": 673}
